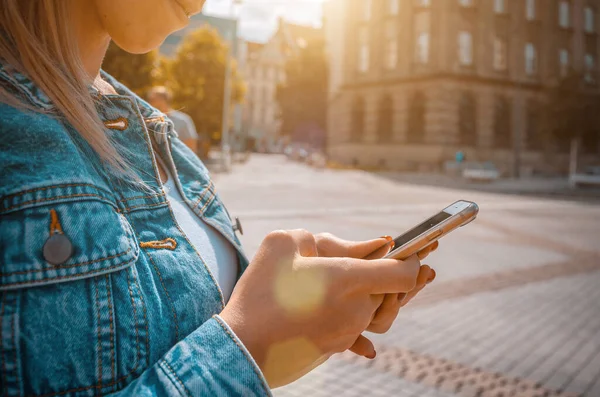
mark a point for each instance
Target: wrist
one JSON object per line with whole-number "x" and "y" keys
{"x": 250, "y": 338}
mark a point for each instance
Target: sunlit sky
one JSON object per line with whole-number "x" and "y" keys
{"x": 258, "y": 18}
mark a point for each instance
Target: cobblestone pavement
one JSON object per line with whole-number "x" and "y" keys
{"x": 514, "y": 311}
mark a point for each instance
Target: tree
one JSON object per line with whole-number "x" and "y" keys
{"x": 135, "y": 71}
{"x": 196, "y": 76}
{"x": 303, "y": 97}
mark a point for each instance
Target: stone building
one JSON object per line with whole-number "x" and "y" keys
{"x": 415, "y": 81}
{"x": 264, "y": 70}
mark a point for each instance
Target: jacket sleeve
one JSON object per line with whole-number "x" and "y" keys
{"x": 211, "y": 361}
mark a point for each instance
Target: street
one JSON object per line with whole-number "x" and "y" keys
{"x": 515, "y": 307}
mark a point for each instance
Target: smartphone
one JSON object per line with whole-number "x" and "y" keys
{"x": 450, "y": 218}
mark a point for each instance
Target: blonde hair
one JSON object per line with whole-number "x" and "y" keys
{"x": 36, "y": 42}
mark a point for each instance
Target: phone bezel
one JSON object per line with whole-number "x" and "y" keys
{"x": 461, "y": 213}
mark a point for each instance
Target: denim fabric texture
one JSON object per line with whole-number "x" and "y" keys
{"x": 113, "y": 318}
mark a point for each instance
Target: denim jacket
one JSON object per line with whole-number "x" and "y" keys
{"x": 102, "y": 292}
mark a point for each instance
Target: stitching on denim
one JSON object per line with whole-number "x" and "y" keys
{"x": 207, "y": 189}
{"x": 187, "y": 393}
{"x": 250, "y": 359}
{"x": 70, "y": 276}
{"x": 66, "y": 266}
{"x": 145, "y": 206}
{"x": 119, "y": 120}
{"x": 137, "y": 334}
{"x": 101, "y": 373}
{"x": 168, "y": 243}
{"x": 135, "y": 279}
{"x": 100, "y": 385}
{"x": 54, "y": 198}
{"x": 13, "y": 327}
{"x": 216, "y": 284}
{"x": 112, "y": 327}
{"x": 24, "y": 192}
{"x": 154, "y": 119}
{"x": 161, "y": 194}
{"x": 4, "y": 371}
{"x": 209, "y": 200}
{"x": 167, "y": 294}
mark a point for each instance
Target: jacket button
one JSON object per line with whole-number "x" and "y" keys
{"x": 57, "y": 249}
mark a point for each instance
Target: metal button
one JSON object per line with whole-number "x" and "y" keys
{"x": 57, "y": 249}
{"x": 436, "y": 234}
{"x": 238, "y": 226}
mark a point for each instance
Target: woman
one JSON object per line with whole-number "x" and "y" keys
{"x": 118, "y": 259}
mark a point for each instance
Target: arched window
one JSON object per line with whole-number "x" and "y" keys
{"x": 416, "y": 118}
{"x": 358, "y": 120}
{"x": 503, "y": 136}
{"x": 385, "y": 125}
{"x": 467, "y": 120}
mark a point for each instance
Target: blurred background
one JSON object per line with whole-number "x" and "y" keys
{"x": 364, "y": 117}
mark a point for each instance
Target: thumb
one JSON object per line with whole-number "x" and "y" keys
{"x": 363, "y": 347}
{"x": 371, "y": 249}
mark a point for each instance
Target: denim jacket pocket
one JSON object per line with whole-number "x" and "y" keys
{"x": 72, "y": 322}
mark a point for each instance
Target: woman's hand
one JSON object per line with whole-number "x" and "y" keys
{"x": 293, "y": 309}
{"x": 331, "y": 246}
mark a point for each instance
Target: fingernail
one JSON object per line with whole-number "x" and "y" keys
{"x": 388, "y": 238}
{"x": 372, "y": 355}
{"x": 432, "y": 276}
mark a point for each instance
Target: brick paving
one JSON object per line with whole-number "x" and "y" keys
{"x": 514, "y": 311}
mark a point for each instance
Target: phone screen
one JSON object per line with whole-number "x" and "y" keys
{"x": 422, "y": 228}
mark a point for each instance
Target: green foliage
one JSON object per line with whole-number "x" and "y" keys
{"x": 134, "y": 71}
{"x": 196, "y": 76}
{"x": 303, "y": 96}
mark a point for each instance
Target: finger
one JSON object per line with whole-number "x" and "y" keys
{"x": 333, "y": 247}
{"x": 382, "y": 276}
{"x": 386, "y": 314}
{"x": 428, "y": 250}
{"x": 363, "y": 347}
{"x": 305, "y": 242}
{"x": 425, "y": 277}
{"x": 382, "y": 251}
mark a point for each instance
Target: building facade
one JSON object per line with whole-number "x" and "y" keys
{"x": 264, "y": 71}
{"x": 418, "y": 80}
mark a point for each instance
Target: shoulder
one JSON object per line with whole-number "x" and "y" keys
{"x": 37, "y": 149}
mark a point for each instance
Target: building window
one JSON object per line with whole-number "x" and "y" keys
{"x": 502, "y": 124}
{"x": 385, "y": 124}
{"x": 467, "y": 120}
{"x": 564, "y": 62}
{"x": 358, "y": 120}
{"x": 533, "y": 137}
{"x": 500, "y": 54}
{"x": 530, "y": 10}
{"x": 531, "y": 60}
{"x": 416, "y": 119}
{"x": 422, "y": 53}
{"x": 589, "y": 24}
{"x": 500, "y": 6}
{"x": 368, "y": 9}
{"x": 363, "y": 49}
{"x": 465, "y": 48}
{"x": 391, "y": 45}
{"x": 564, "y": 14}
{"x": 394, "y": 7}
{"x": 590, "y": 68}
{"x": 465, "y": 3}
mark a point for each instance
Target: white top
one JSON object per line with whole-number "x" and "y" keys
{"x": 217, "y": 252}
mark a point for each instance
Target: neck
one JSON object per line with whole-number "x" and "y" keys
{"x": 92, "y": 38}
